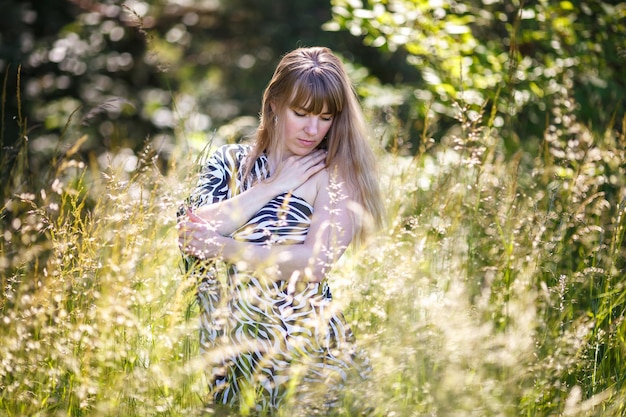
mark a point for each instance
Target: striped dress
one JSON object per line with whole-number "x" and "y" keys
{"x": 264, "y": 340}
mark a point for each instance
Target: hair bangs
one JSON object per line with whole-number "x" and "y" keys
{"x": 317, "y": 93}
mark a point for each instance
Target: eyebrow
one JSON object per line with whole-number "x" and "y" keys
{"x": 305, "y": 110}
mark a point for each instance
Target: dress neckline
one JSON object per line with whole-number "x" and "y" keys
{"x": 297, "y": 197}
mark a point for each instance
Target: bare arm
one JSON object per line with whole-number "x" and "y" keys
{"x": 329, "y": 235}
{"x": 228, "y": 215}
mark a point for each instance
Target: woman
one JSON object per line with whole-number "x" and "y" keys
{"x": 280, "y": 213}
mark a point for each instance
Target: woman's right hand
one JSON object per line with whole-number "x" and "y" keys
{"x": 296, "y": 170}
{"x": 230, "y": 214}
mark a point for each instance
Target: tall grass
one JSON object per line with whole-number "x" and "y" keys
{"x": 495, "y": 290}
{"x": 501, "y": 278}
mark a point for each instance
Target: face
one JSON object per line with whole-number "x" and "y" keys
{"x": 303, "y": 132}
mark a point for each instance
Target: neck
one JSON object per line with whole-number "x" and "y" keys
{"x": 274, "y": 161}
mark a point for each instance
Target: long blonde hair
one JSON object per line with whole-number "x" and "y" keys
{"x": 313, "y": 79}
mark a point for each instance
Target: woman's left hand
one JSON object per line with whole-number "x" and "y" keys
{"x": 199, "y": 238}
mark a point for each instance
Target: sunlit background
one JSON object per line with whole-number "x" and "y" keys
{"x": 496, "y": 288}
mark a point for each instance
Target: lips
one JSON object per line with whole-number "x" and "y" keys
{"x": 306, "y": 143}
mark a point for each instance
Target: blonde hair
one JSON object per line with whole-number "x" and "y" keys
{"x": 314, "y": 80}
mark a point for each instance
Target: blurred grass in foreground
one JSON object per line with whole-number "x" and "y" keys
{"x": 496, "y": 289}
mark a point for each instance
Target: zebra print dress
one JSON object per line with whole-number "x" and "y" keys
{"x": 265, "y": 341}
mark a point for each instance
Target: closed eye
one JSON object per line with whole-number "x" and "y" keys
{"x": 327, "y": 117}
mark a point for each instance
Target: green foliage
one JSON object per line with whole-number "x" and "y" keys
{"x": 518, "y": 57}
{"x": 496, "y": 289}
{"x": 501, "y": 284}
{"x": 160, "y": 69}
{"x": 99, "y": 325}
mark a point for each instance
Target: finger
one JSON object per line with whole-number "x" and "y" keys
{"x": 316, "y": 155}
{"x": 315, "y": 166}
{"x": 184, "y": 227}
{"x": 183, "y": 245}
{"x": 197, "y": 232}
{"x": 313, "y": 160}
{"x": 189, "y": 233}
{"x": 190, "y": 250}
{"x": 195, "y": 218}
{"x": 188, "y": 246}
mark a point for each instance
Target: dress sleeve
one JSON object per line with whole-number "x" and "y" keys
{"x": 218, "y": 180}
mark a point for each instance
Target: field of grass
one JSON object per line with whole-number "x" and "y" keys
{"x": 496, "y": 288}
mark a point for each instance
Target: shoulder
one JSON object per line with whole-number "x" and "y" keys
{"x": 330, "y": 186}
{"x": 229, "y": 155}
{"x": 332, "y": 180}
{"x": 235, "y": 150}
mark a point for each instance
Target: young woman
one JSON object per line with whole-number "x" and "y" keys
{"x": 279, "y": 213}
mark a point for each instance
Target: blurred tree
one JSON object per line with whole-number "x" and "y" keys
{"x": 123, "y": 71}
{"x": 117, "y": 72}
{"x": 78, "y": 64}
{"x": 523, "y": 57}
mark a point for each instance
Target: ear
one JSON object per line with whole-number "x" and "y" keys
{"x": 272, "y": 106}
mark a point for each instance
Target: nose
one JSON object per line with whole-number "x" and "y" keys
{"x": 311, "y": 126}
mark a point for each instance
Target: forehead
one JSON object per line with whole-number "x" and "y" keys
{"x": 311, "y": 108}
{"x": 315, "y": 96}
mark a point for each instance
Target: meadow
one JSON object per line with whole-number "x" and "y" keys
{"x": 496, "y": 288}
